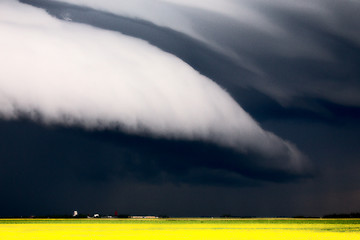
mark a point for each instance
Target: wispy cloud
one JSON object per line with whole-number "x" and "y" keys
{"x": 73, "y": 74}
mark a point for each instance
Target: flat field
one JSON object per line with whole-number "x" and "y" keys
{"x": 199, "y": 229}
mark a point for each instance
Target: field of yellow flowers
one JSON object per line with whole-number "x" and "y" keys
{"x": 245, "y": 229}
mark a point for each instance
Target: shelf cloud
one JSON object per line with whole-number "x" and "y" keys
{"x": 261, "y": 36}
{"x": 59, "y": 72}
{"x": 200, "y": 107}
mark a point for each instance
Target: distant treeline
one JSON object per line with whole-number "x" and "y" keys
{"x": 343, "y": 215}
{"x": 78, "y": 216}
{"x": 335, "y": 215}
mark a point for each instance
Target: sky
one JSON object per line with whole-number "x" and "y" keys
{"x": 179, "y": 108}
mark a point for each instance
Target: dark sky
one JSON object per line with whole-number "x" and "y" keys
{"x": 297, "y": 76}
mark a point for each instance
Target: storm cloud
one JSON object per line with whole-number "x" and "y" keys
{"x": 199, "y": 107}
{"x": 67, "y": 77}
{"x": 259, "y": 36}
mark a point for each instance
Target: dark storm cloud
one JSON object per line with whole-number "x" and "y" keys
{"x": 102, "y": 155}
{"x": 293, "y": 66}
{"x": 123, "y": 84}
{"x": 48, "y": 170}
{"x": 332, "y": 78}
{"x": 53, "y": 163}
{"x": 309, "y": 57}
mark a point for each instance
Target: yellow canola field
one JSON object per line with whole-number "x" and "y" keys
{"x": 171, "y": 231}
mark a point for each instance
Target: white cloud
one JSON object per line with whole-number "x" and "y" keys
{"x": 74, "y": 74}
